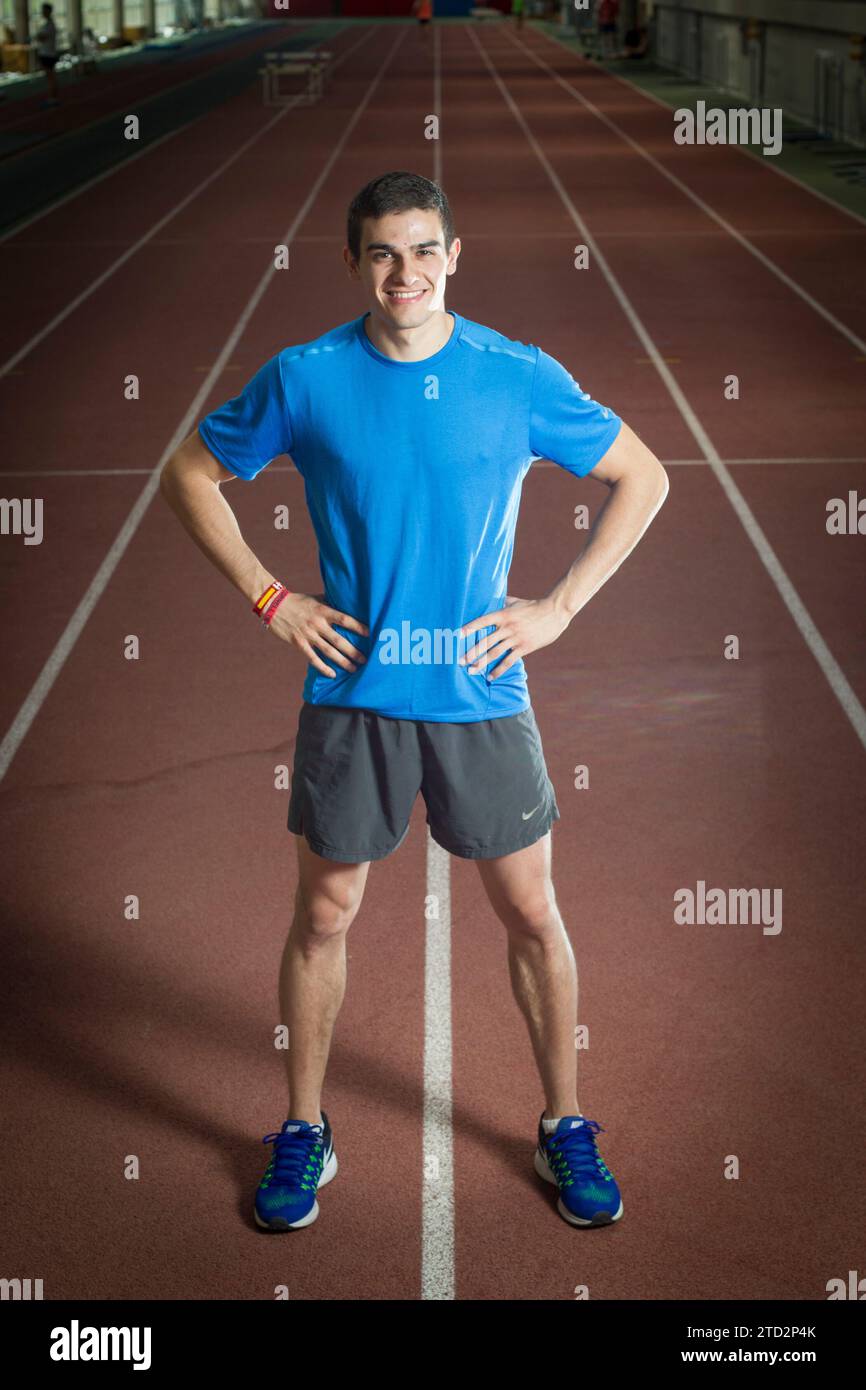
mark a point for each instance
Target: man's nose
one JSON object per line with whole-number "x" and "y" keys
{"x": 403, "y": 274}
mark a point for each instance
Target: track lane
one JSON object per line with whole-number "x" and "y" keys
{"x": 657, "y": 737}
{"x": 165, "y": 187}
{"x": 207, "y": 287}
{"x": 746, "y": 310}
{"x": 699, "y": 1040}
{"x": 95, "y": 795}
{"x": 731, "y": 188}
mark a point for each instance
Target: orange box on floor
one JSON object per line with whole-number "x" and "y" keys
{"x": 17, "y": 57}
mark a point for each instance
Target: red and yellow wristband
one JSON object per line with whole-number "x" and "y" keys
{"x": 266, "y": 606}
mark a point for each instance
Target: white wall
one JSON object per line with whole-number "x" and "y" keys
{"x": 705, "y": 40}
{"x": 98, "y": 14}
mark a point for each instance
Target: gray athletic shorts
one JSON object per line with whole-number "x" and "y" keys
{"x": 356, "y": 776}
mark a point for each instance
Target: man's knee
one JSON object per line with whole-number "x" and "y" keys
{"x": 532, "y": 915}
{"x": 326, "y": 912}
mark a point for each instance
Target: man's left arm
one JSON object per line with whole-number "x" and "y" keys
{"x": 638, "y": 486}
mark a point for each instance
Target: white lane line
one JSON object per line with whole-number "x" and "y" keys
{"x": 644, "y": 234}
{"x": 91, "y": 183}
{"x": 737, "y": 463}
{"x": 705, "y": 208}
{"x": 116, "y": 265}
{"x": 728, "y": 463}
{"x": 833, "y": 672}
{"x": 115, "y": 168}
{"x": 437, "y": 1192}
{"x": 437, "y": 102}
{"x": 437, "y": 1202}
{"x": 290, "y": 468}
{"x": 53, "y": 666}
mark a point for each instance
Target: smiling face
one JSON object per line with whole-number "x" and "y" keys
{"x": 403, "y": 266}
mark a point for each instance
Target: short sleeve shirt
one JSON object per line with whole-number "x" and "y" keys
{"x": 413, "y": 474}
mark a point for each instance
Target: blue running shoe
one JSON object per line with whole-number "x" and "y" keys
{"x": 588, "y": 1194}
{"x": 302, "y": 1161}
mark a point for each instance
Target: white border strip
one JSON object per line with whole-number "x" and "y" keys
{"x": 437, "y": 1202}
{"x": 437, "y": 1180}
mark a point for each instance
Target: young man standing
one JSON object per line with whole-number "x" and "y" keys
{"x": 413, "y": 429}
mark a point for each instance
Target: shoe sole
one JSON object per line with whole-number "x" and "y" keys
{"x": 279, "y": 1223}
{"x": 601, "y": 1218}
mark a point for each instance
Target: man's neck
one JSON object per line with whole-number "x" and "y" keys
{"x": 414, "y": 344}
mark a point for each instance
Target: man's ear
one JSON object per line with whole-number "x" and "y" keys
{"x": 351, "y": 263}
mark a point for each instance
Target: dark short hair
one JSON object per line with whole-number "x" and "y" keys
{"x": 397, "y": 192}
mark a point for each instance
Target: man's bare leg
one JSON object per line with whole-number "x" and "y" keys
{"x": 542, "y": 965}
{"x": 313, "y": 971}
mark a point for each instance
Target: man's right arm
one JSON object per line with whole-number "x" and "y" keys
{"x": 191, "y": 484}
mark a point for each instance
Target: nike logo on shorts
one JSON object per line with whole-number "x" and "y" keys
{"x": 527, "y": 814}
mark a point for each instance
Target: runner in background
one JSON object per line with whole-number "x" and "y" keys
{"x": 423, "y": 10}
{"x": 46, "y": 52}
{"x": 607, "y": 16}
{"x": 517, "y": 7}
{"x": 636, "y": 42}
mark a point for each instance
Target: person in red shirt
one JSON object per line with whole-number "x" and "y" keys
{"x": 423, "y": 10}
{"x": 607, "y": 16}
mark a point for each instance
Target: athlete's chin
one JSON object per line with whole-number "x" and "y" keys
{"x": 411, "y": 320}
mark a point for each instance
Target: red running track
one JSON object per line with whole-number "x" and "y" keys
{"x": 156, "y": 777}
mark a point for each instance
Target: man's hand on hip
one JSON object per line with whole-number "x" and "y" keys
{"x": 522, "y": 626}
{"x": 306, "y": 622}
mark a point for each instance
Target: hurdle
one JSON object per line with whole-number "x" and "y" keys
{"x": 310, "y": 64}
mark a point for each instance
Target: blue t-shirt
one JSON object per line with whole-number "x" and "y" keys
{"x": 413, "y": 473}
